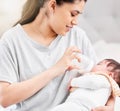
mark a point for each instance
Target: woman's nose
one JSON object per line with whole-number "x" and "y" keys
{"x": 74, "y": 22}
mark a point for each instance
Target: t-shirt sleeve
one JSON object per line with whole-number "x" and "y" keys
{"x": 8, "y": 70}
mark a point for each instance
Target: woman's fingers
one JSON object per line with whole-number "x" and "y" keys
{"x": 73, "y": 49}
{"x": 71, "y": 55}
{"x": 66, "y": 61}
{"x": 73, "y": 67}
{"x": 72, "y": 52}
{"x": 75, "y": 56}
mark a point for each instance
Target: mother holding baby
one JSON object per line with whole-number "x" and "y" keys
{"x": 36, "y": 55}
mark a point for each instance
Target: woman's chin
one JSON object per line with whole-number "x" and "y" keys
{"x": 64, "y": 33}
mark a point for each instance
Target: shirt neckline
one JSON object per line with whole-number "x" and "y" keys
{"x": 38, "y": 45}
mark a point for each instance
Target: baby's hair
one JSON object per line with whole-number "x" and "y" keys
{"x": 114, "y": 67}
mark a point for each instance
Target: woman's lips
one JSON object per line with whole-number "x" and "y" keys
{"x": 69, "y": 27}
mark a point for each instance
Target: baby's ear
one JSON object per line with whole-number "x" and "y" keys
{"x": 111, "y": 74}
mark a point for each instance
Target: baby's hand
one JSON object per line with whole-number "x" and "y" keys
{"x": 71, "y": 89}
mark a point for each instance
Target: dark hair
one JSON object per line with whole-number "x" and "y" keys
{"x": 60, "y": 2}
{"x": 115, "y": 67}
{"x": 32, "y": 8}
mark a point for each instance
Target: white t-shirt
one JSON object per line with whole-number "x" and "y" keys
{"x": 21, "y": 58}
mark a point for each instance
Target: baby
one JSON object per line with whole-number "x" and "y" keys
{"x": 94, "y": 88}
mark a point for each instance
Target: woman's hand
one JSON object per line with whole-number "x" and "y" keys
{"x": 108, "y": 107}
{"x": 65, "y": 63}
{"x": 103, "y": 108}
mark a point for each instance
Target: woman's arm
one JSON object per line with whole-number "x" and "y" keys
{"x": 16, "y": 92}
{"x": 108, "y": 107}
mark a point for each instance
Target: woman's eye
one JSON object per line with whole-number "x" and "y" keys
{"x": 75, "y": 13}
{"x": 72, "y": 14}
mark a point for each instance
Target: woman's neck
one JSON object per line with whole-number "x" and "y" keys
{"x": 40, "y": 31}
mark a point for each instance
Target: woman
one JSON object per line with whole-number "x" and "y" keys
{"x": 36, "y": 54}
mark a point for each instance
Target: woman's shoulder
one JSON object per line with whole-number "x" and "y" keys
{"x": 11, "y": 33}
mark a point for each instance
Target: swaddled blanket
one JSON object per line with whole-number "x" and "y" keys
{"x": 90, "y": 81}
{"x": 92, "y": 91}
{"x": 96, "y": 80}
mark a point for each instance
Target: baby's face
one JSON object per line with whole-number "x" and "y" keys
{"x": 101, "y": 66}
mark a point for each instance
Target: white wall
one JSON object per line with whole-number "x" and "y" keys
{"x": 100, "y": 19}
{"x": 10, "y": 12}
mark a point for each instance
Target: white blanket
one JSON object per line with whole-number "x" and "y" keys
{"x": 91, "y": 81}
{"x": 93, "y": 91}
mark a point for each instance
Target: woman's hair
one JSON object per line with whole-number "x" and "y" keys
{"x": 114, "y": 67}
{"x": 32, "y": 8}
{"x": 60, "y": 2}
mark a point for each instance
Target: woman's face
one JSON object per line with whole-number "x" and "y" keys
{"x": 64, "y": 17}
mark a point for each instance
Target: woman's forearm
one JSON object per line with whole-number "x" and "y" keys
{"x": 108, "y": 107}
{"x": 17, "y": 92}
{"x": 111, "y": 101}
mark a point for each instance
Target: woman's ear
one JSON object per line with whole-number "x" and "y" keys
{"x": 52, "y": 6}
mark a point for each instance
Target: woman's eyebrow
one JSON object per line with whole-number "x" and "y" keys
{"x": 78, "y": 12}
